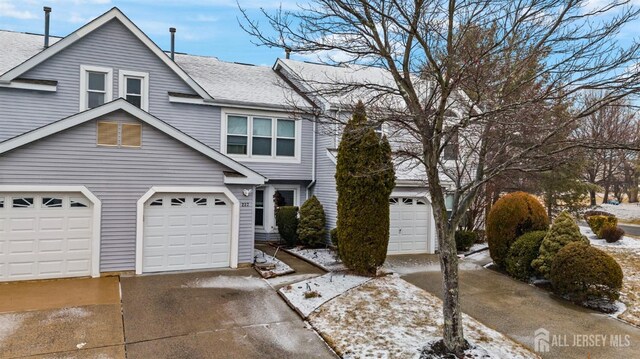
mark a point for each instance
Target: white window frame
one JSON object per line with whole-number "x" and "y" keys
{"x": 122, "y": 86}
{"x": 84, "y": 69}
{"x": 265, "y": 192}
{"x": 249, "y": 157}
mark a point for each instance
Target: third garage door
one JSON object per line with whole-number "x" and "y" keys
{"x": 409, "y": 225}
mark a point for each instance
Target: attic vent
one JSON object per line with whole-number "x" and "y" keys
{"x": 131, "y": 135}
{"x": 107, "y": 133}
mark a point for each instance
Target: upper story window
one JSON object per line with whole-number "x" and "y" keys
{"x": 261, "y": 137}
{"x": 96, "y": 85}
{"x": 134, "y": 87}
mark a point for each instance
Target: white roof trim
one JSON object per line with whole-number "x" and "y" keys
{"x": 121, "y": 104}
{"x": 29, "y": 86}
{"x": 114, "y": 13}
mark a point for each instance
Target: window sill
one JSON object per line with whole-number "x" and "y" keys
{"x": 292, "y": 160}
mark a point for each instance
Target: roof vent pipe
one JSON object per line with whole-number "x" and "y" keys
{"x": 172, "y": 30}
{"x": 47, "y": 12}
{"x": 287, "y": 53}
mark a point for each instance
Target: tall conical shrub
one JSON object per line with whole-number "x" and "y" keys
{"x": 364, "y": 181}
{"x": 311, "y": 227}
{"x": 563, "y": 231}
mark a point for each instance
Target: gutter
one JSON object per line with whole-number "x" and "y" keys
{"x": 313, "y": 159}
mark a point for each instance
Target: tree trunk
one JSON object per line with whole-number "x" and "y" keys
{"x": 633, "y": 194}
{"x": 453, "y": 334}
{"x": 605, "y": 198}
{"x": 592, "y": 197}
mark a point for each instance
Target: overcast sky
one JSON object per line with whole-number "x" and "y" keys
{"x": 204, "y": 27}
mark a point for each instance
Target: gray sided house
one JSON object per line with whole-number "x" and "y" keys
{"x": 116, "y": 156}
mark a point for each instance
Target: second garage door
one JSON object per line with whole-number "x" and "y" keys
{"x": 186, "y": 231}
{"x": 409, "y": 225}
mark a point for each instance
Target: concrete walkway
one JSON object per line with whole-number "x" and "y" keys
{"x": 517, "y": 309}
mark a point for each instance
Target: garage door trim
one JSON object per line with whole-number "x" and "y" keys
{"x": 235, "y": 219}
{"x": 97, "y": 211}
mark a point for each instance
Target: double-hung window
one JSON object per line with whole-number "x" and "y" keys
{"x": 134, "y": 87}
{"x": 96, "y": 84}
{"x": 286, "y": 143}
{"x": 261, "y": 137}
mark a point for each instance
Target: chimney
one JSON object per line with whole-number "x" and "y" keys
{"x": 287, "y": 53}
{"x": 172, "y": 30}
{"x": 47, "y": 12}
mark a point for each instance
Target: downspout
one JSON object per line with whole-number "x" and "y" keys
{"x": 313, "y": 159}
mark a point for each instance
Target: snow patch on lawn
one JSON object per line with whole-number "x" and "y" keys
{"x": 308, "y": 295}
{"x": 622, "y": 211}
{"x": 408, "y": 265}
{"x": 227, "y": 282}
{"x": 624, "y": 243}
{"x": 388, "y": 317}
{"x": 280, "y": 267}
{"x": 325, "y": 258}
{"x": 9, "y": 324}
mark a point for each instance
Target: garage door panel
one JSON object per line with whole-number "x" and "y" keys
{"x": 44, "y": 237}
{"x": 409, "y": 225}
{"x": 193, "y": 235}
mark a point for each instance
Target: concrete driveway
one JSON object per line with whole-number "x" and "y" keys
{"x": 217, "y": 314}
{"x": 69, "y": 318}
{"x": 517, "y": 309}
{"x": 211, "y": 314}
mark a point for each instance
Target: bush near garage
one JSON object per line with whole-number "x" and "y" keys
{"x": 334, "y": 237}
{"x": 465, "y": 239}
{"x": 311, "y": 227}
{"x": 524, "y": 250}
{"x": 597, "y": 222}
{"x": 563, "y": 231}
{"x": 510, "y": 217}
{"x": 364, "y": 181}
{"x": 580, "y": 273}
{"x": 287, "y": 222}
{"x": 611, "y": 233}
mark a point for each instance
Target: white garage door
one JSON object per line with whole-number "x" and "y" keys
{"x": 186, "y": 231}
{"x": 45, "y": 235}
{"x": 409, "y": 225}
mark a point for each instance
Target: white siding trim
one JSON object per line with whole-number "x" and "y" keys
{"x": 251, "y": 177}
{"x": 145, "y": 85}
{"x": 97, "y": 212}
{"x": 108, "y": 84}
{"x": 235, "y": 219}
{"x": 114, "y": 13}
{"x": 30, "y": 86}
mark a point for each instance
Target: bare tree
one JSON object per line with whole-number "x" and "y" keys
{"x": 528, "y": 57}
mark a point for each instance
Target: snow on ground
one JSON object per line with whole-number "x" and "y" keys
{"x": 629, "y": 261}
{"x": 308, "y": 295}
{"x": 261, "y": 258}
{"x": 411, "y": 264}
{"x": 388, "y": 317}
{"x": 9, "y": 323}
{"x": 324, "y": 258}
{"x": 624, "y": 243}
{"x": 66, "y": 314}
{"x": 626, "y": 211}
{"x": 228, "y": 282}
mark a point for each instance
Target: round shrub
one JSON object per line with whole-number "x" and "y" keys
{"x": 597, "y": 222}
{"x": 287, "y": 222}
{"x": 523, "y": 251}
{"x": 563, "y": 231}
{"x": 510, "y": 217}
{"x": 611, "y": 233}
{"x": 465, "y": 239}
{"x": 580, "y": 273}
{"x": 311, "y": 231}
{"x": 590, "y": 213}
